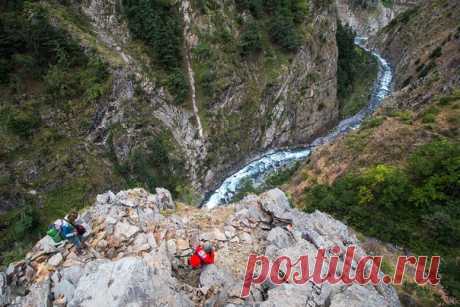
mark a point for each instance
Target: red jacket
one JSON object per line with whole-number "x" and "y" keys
{"x": 200, "y": 257}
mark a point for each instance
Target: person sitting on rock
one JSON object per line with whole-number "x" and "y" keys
{"x": 71, "y": 231}
{"x": 202, "y": 255}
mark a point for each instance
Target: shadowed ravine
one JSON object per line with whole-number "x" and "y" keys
{"x": 269, "y": 162}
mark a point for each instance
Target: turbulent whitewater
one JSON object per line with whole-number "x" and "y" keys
{"x": 259, "y": 168}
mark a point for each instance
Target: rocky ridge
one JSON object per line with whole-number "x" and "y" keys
{"x": 137, "y": 246}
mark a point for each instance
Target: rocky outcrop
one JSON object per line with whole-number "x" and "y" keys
{"x": 137, "y": 246}
{"x": 368, "y": 20}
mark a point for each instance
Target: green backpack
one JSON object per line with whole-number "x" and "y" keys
{"x": 54, "y": 234}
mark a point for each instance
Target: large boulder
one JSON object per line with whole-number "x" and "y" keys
{"x": 125, "y": 282}
{"x": 277, "y": 205}
{"x": 125, "y": 231}
{"x": 220, "y": 284}
{"x": 39, "y": 295}
{"x": 212, "y": 276}
{"x": 280, "y": 237}
{"x": 164, "y": 199}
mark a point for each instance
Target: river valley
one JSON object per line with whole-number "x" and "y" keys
{"x": 270, "y": 162}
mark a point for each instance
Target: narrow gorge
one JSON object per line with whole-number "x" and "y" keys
{"x": 264, "y": 127}
{"x": 271, "y": 162}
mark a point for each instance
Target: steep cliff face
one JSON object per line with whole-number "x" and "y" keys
{"x": 270, "y": 99}
{"x": 423, "y": 44}
{"x": 369, "y": 16}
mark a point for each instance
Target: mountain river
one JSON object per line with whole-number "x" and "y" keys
{"x": 273, "y": 160}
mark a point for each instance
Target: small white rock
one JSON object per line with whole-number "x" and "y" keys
{"x": 245, "y": 237}
{"x": 55, "y": 260}
{"x": 218, "y": 235}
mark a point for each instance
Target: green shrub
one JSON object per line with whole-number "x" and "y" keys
{"x": 407, "y": 15}
{"x": 450, "y": 274}
{"x": 202, "y": 51}
{"x": 93, "y": 79}
{"x": 155, "y": 166}
{"x": 61, "y": 85}
{"x": 250, "y": 41}
{"x": 372, "y": 122}
{"x": 283, "y": 32}
{"x": 87, "y": 82}
{"x": 429, "y": 115}
{"x": 446, "y": 100}
{"x": 387, "y": 3}
{"x": 404, "y": 116}
{"x": 364, "y": 4}
{"x": 178, "y": 85}
{"x": 357, "y": 141}
{"x": 246, "y": 187}
{"x": 425, "y": 69}
{"x": 280, "y": 177}
{"x": 23, "y": 123}
{"x": 416, "y": 206}
{"x": 26, "y": 222}
{"x": 159, "y": 24}
{"x": 429, "y": 118}
{"x": 254, "y": 6}
{"x": 436, "y": 53}
{"x": 17, "y": 228}
{"x": 206, "y": 78}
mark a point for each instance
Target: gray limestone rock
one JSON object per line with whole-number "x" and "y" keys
{"x": 64, "y": 288}
{"x": 125, "y": 282}
{"x": 4, "y": 290}
{"x": 280, "y": 237}
{"x": 258, "y": 224}
{"x": 39, "y": 295}
{"x": 277, "y": 205}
